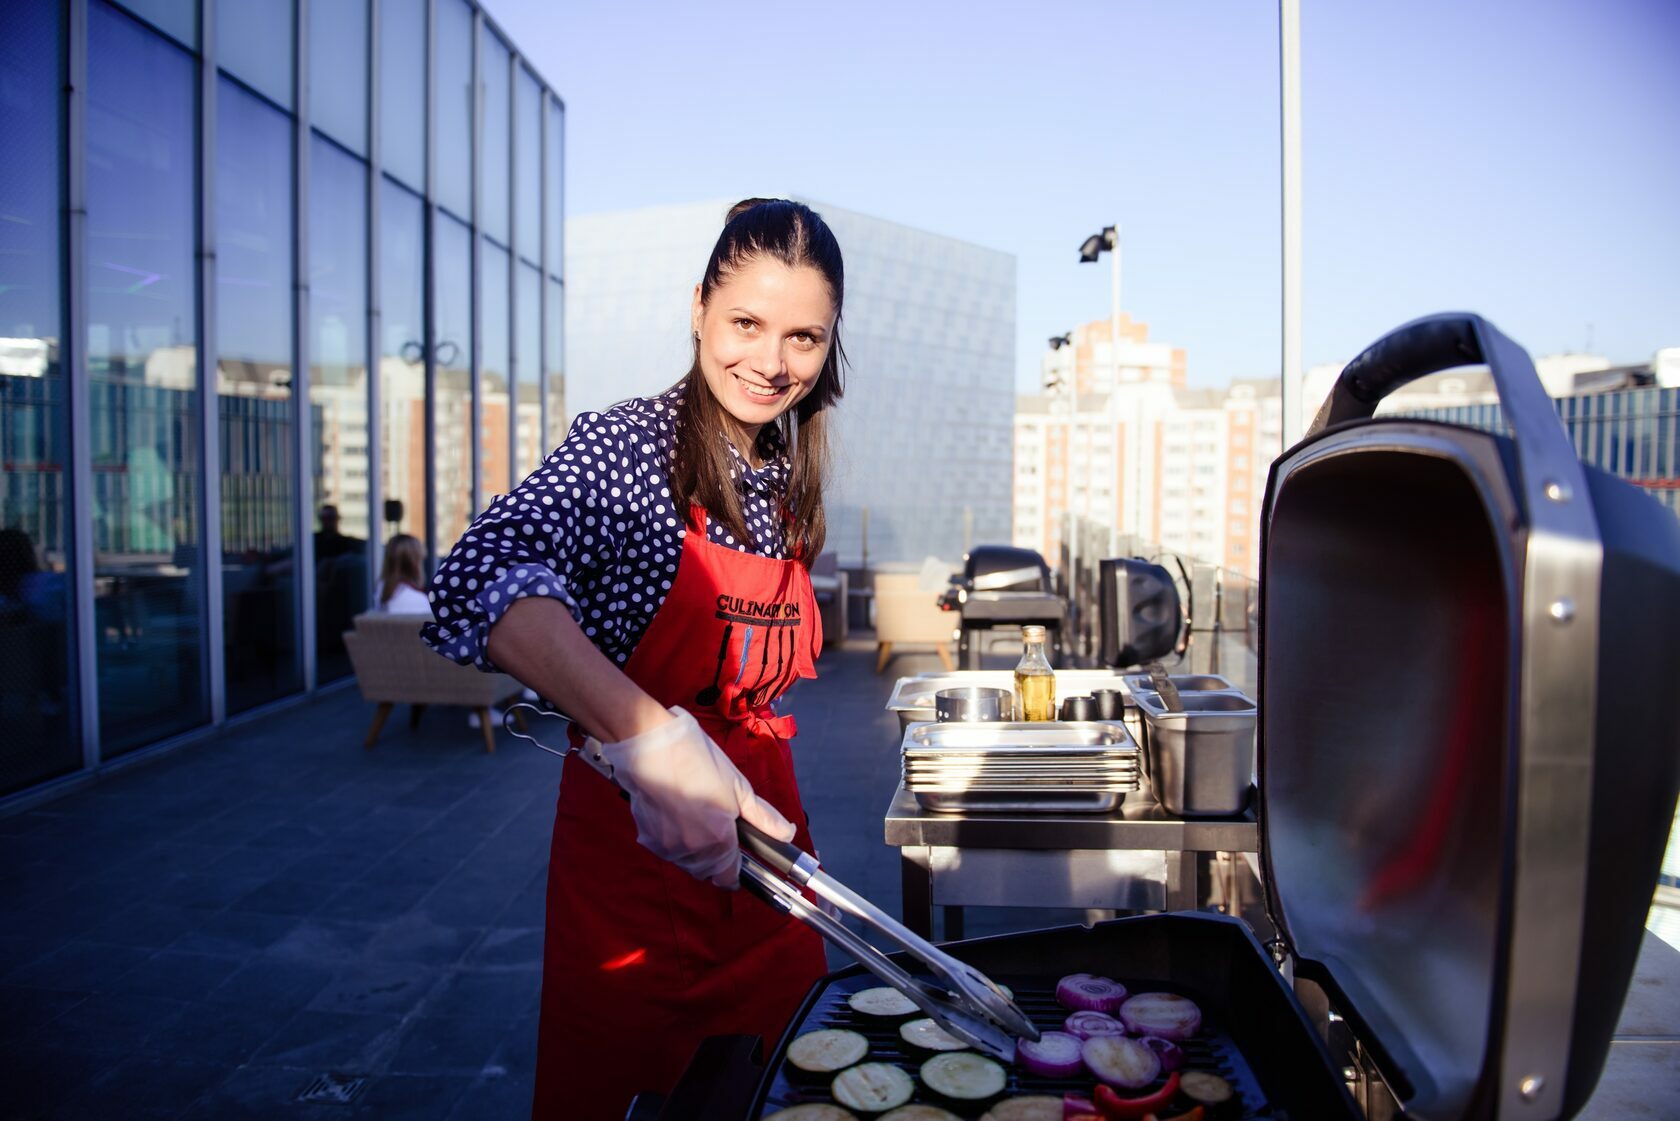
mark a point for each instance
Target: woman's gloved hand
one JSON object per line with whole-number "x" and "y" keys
{"x": 685, "y": 795}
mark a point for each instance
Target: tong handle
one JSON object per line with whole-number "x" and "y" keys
{"x": 780, "y": 855}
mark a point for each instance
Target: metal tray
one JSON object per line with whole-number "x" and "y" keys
{"x": 1028, "y": 738}
{"x": 1185, "y": 682}
{"x": 973, "y": 801}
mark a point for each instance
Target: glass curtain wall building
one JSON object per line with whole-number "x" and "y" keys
{"x": 279, "y": 279}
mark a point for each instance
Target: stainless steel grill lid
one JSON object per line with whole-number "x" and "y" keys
{"x": 1468, "y": 746}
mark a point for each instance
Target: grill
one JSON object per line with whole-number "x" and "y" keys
{"x": 1467, "y": 773}
{"x": 1003, "y": 587}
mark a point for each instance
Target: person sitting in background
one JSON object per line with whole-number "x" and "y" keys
{"x": 329, "y": 542}
{"x": 400, "y": 591}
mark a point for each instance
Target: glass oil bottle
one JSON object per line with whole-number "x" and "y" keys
{"x": 1035, "y": 681}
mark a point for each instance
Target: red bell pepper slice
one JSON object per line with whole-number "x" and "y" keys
{"x": 1111, "y": 1104}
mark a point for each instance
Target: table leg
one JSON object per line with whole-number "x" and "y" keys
{"x": 1181, "y": 881}
{"x": 916, "y": 889}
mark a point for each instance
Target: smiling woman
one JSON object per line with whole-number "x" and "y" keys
{"x": 651, "y": 579}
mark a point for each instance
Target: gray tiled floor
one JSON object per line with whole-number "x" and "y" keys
{"x": 202, "y": 936}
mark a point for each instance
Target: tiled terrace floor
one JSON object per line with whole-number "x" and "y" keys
{"x": 202, "y": 936}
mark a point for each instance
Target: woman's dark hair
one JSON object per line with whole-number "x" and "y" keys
{"x": 795, "y": 235}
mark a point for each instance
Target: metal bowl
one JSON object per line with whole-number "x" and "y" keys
{"x": 974, "y": 703}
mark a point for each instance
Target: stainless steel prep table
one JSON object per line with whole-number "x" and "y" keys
{"x": 1048, "y": 860}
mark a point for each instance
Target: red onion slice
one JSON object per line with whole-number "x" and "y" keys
{"x": 1087, "y": 1024}
{"x": 1078, "y": 1107}
{"x": 1172, "y": 1055}
{"x": 1119, "y": 1061}
{"x": 1166, "y": 1015}
{"x": 1083, "y": 992}
{"x": 1055, "y": 1055}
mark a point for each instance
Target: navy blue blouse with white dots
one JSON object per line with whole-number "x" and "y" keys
{"x": 595, "y": 528}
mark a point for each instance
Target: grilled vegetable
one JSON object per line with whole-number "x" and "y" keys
{"x": 826, "y": 1051}
{"x": 1110, "y": 1104}
{"x": 1078, "y": 1107}
{"x": 1087, "y": 1024}
{"x": 1208, "y": 1089}
{"x": 872, "y": 1087}
{"x": 1084, "y": 992}
{"x": 1172, "y": 1055}
{"x": 929, "y": 1036}
{"x": 1055, "y": 1055}
{"x": 814, "y": 1111}
{"x": 1167, "y": 1015}
{"x": 1033, "y": 1107}
{"x": 884, "y": 1001}
{"x": 963, "y": 1076}
{"x": 1119, "y": 1061}
{"x": 919, "y": 1112}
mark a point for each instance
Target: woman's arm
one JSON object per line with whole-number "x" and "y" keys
{"x": 539, "y": 643}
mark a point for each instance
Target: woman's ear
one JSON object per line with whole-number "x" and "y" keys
{"x": 697, "y": 313}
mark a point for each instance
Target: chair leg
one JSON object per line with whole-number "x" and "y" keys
{"x": 379, "y": 716}
{"x": 489, "y": 731}
{"x": 414, "y": 712}
{"x": 519, "y": 719}
{"x": 944, "y": 649}
{"x": 883, "y": 655}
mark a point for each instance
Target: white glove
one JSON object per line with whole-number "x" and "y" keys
{"x": 685, "y": 795}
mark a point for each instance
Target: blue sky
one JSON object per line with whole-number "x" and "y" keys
{"x": 1520, "y": 158}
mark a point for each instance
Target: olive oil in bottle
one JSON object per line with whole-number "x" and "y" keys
{"x": 1035, "y": 681}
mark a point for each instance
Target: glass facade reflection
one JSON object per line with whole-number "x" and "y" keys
{"x": 213, "y": 231}
{"x": 453, "y": 500}
{"x": 144, "y": 437}
{"x": 257, "y": 437}
{"x": 338, "y": 397}
{"x": 41, "y": 737}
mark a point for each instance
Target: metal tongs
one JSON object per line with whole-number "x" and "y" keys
{"x": 958, "y": 997}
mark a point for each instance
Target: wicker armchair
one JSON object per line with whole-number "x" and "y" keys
{"x": 394, "y": 667}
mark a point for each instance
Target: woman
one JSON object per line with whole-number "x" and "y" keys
{"x": 650, "y": 579}
{"x": 400, "y": 592}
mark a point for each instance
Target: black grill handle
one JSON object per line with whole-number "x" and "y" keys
{"x": 780, "y": 855}
{"x": 1417, "y": 349}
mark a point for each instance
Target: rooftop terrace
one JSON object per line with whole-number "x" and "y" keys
{"x": 206, "y": 935}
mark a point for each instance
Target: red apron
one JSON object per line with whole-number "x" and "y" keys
{"x": 640, "y": 960}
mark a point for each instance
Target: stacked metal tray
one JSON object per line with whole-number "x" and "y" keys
{"x": 1039, "y": 767}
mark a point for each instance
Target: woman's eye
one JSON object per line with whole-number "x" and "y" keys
{"x": 805, "y": 339}
{"x": 745, "y": 324}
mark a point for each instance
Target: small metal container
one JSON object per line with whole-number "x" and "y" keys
{"x": 1111, "y": 703}
{"x": 1201, "y": 760}
{"x": 1079, "y": 708}
{"x": 974, "y": 703}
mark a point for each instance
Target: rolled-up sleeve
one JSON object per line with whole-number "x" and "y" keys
{"x": 552, "y": 535}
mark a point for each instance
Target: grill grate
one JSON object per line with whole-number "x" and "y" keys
{"x": 1212, "y": 1050}
{"x": 335, "y": 1088}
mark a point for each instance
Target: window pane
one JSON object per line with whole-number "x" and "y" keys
{"x": 493, "y": 362}
{"x": 402, "y": 90}
{"x": 338, "y": 60}
{"x": 452, "y": 496}
{"x": 176, "y": 17}
{"x": 143, "y": 386}
{"x": 338, "y": 395}
{"x": 528, "y": 435}
{"x": 554, "y": 188}
{"x": 402, "y": 368}
{"x": 554, "y": 378}
{"x": 494, "y": 74}
{"x": 254, "y": 43}
{"x": 254, "y": 402}
{"x": 454, "y": 107}
{"x": 528, "y": 159}
{"x": 36, "y": 706}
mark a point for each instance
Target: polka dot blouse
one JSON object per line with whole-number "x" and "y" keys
{"x": 595, "y": 528}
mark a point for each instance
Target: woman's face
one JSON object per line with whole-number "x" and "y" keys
{"x": 764, "y": 336}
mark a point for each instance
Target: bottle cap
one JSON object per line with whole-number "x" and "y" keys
{"x": 1032, "y": 634}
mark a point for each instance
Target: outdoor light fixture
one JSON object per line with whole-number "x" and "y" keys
{"x": 1096, "y": 243}
{"x": 1057, "y": 342}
